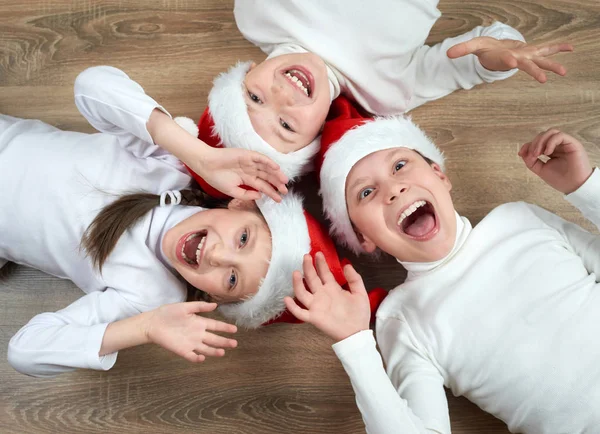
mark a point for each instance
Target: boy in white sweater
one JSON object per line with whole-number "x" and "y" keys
{"x": 371, "y": 51}
{"x": 505, "y": 313}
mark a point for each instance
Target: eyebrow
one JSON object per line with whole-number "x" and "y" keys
{"x": 277, "y": 130}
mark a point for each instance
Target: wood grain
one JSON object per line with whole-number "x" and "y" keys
{"x": 282, "y": 379}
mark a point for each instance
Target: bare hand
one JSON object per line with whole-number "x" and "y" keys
{"x": 568, "y": 166}
{"x": 227, "y": 169}
{"x": 177, "y": 328}
{"x": 506, "y": 54}
{"x": 333, "y": 310}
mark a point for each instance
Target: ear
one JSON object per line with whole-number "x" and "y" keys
{"x": 242, "y": 205}
{"x": 440, "y": 174}
{"x": 252, "y": 66}
{"x": 368, "y": 245}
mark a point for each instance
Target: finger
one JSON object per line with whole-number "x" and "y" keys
{"x": 509, "y": 60}
{"x": 550, "y": 65}
{"x": 533, "y": 163}
{"x": 302, "y": 294}
{"x": 209, "y": 351}
{"x": 218, "y": 341}
{"x": 274, "y": 179}
{"x": 277, "y": 174}
{"x": 310, "y": 274}
{"x": 200, "y": 306}
{"x": 243, "y": 194}
{"x": 524, "y": 149}
{"x": 355, "y": 282}
{"x": 540, "y": 142}
{"x": 553, "y": 142}
{"x": 464, "y": 48}
{"x": 297, "y": 311}
{"x": 218, "y": 326}
{"x": 262, "y": 186}
{"x": 260, "y": 159}
{"x": 193, "y": 357}
{"x": 549, "y": 50}
{"x": 532, "y": 69}
{"x": 323, "y": 269}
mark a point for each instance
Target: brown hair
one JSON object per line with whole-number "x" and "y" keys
{"x": 102, "y": 235}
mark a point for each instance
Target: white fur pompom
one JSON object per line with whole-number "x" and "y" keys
{"x": 187, "y": 124}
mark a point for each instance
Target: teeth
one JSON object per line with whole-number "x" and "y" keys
{"x": 296, "y": 81}
{"x": 408, "y": 211}
{"x": 199, "y": 250}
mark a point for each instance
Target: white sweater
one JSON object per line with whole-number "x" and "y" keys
{"x": 510, "y": 319}
{"x": 374, "y": 49}
{"x": 53, "y": 184}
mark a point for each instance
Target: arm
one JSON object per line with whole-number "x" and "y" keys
{"x": 437, "y": 75}
{"x": 567, "y": 169}
{"x": 483, "y": 55}
{"x": 344, "y": 315}
{"x": 89, "y": 333}
{"x": 114, "y": 104}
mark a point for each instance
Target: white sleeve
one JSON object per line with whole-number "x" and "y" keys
{"x": 436, "y": 75}
{"x": 585, "y": 244}
{"x": 115, "y": 104}
{"x": 411, "y": 400}
{"x": 52, "y": 343}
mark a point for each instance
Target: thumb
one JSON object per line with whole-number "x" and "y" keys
{"x": 462, "y": 49}
{"x": 201, "y": 306}
{"x": 355, "y": 282}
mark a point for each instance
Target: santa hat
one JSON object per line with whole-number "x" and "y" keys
{"x": 225, "y": 123}
{"x": 294, "y": 233}
{"x": 347, "y": 137}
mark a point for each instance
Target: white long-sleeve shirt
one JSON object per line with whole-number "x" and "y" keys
{"x": 510, "y": 319}
{"x": 374, "y": 50}
{"x": 53, "y": 183}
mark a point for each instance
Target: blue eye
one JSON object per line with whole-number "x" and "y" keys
{"x": 232, "y": 280}
{"x": 399, "y": 165}
{"x": 244, "y": 238}
{"x": 285, "y": 125}
{"x": 254, "y": 98}
{"x": 364, "y": 193}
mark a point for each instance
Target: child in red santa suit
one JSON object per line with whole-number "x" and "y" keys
{"x": 504, "y": 313}
{"x": 373, "y": 52}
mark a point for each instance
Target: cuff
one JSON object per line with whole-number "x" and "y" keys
{"x": 358, "y": 343}
{"x": 588, "y": 195}
{"x": 498, "y": 31}
{"x": 93, "y": 345}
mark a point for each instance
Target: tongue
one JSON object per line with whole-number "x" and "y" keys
{"x": 190, "y": 247}
{"x": 423, "y": 224}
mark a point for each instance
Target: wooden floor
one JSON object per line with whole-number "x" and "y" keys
{"x": 282, "y": 379}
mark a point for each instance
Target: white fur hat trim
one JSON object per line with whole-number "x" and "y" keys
{"x": 290, "y": 242}
{"x": 232, "y": 124}
{"x": 355, "y": 144}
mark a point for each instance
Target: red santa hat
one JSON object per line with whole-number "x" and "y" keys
{"x": 347, "y": 137}
{"x": 294, "y": 233}
{"x": 225, "y": 123}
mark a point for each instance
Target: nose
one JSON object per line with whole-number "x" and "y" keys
{"x": 395, "y": 189}
{"x": 282, "y": 94}
{"x": 218, "y": 256}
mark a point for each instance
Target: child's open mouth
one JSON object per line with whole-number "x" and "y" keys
{"x": 419, "y": 221}
{"x": 301, "y": 78}
{"x": 190, "y": 248}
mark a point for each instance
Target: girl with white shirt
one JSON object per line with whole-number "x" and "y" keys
{"x": 67, "y": 210}
{"x": 505, "y": 313}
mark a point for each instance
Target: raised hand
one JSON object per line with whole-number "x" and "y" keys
{"x": 228, "y": 169}
{"x": 506, "y": 54}
{"x": 177, "y": 328}
{"x": 567, "y": 166}
{"x": 333, "y": 310}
